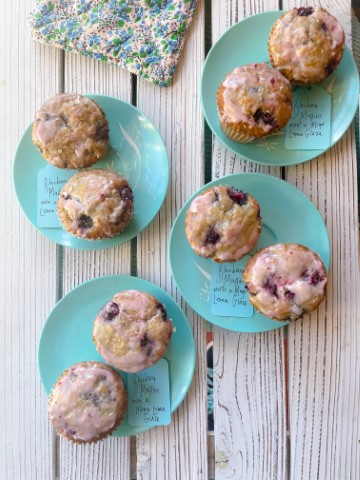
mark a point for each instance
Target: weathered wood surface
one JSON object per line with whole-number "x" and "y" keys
{"x": 295, "y": 415}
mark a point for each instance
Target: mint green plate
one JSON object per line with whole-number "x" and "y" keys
{"x": 67, "y": 337}
{"x": 246, "y": 42}
{"x": 288, "y": 216}
{"x": 136, "y": 150}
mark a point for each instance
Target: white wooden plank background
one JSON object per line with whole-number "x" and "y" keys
{"x": 28, "y": 278}
{"x": 286, "y": 406}
{"x": 250, "y": 412}
{"x": 324, "y": 367}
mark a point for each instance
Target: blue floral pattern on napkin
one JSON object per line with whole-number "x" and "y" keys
{"x": 144, "y": 36}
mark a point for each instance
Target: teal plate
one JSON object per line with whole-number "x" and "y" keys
{"x": 67, "y": 337}
{"x": 288, "y": 216}
{"x": 136, "y": 150}
{"x": 246, "y": 42}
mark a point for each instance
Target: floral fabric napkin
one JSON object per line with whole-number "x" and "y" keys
{"x": 144, "y": 36}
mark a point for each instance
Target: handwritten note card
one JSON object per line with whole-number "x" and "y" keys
{"x": 50, "y": 181}
{"x": 149, "y": 396}
{"x": 309, "y": 126}
{"x": 228, "y": 295}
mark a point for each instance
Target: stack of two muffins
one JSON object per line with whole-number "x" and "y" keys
{"x": 89, "y": 400}
{"x": 305, "y": 46}
{"x": 72, "y": 132}
{"x": 132, "y": 331}
{"x": 284, "y": 280}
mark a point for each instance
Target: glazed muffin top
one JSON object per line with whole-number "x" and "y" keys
{"x": 285, "y": 280}
{"x": 71, "y": 131}
{"x": 132, "y": 330}
{"x": 223, "y": 224}
{"x": 257, "y": 96}
{"x": 306, "y": 44}
{"x": 88, "y": 402}
{"x": 95, "y": 203}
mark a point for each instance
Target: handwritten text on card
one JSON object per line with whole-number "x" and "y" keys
{"x": 228, "y": 296}
{"x": 149, "y": 395}
{"x": 309, "y": 126}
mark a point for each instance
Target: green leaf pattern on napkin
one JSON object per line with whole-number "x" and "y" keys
{"x": 144, "y": 36}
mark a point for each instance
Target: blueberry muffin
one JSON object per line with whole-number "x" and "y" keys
{"x": 253, "y": 101}
{"x": 285, "y": 281}
{"x": 306, "y": 44}
{"x": 95, "y": 204}
{"x": 132, "y": 331}
{"x": 223, "y": 224}
{"x": 71, "y": 131}
{"x": 88, "y": 402}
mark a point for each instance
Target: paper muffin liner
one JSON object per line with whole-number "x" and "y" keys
{"x": 236, "y": 135}
{"x": 241, "y": 137}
